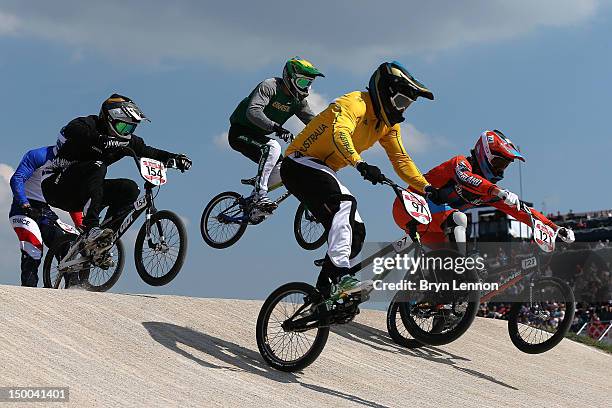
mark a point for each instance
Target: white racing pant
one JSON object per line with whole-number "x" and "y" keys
{"x": 318, "y": 187}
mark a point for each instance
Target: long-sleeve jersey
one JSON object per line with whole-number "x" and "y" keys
{"x": 346, "y": 128}
{"x": 461, "y": 188}
{"x": 84, "y": 139}
{"x": 268, "y": 105}
{"x": 25, "y": 182}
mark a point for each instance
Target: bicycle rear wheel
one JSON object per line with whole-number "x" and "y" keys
{"x": 91, "y": 277}
{"x": 160, "y": 258}
{"x": 309, "y": 233}
{"x": 223, "y": 221}
{"x": 289, "y": 348}
{"x": 396, "y": 329}
{"x": 539, "y": 325}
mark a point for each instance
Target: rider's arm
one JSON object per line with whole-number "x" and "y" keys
{"x": 304, "y": 113}
{"x": 520, "y": 215}
{"x": 259, "y": 100}
{"x": 468, "y": 180}
{"x": 402, "y": 162}
{"x": 142, "y": 150}
{"x": 31, "y": 161}
{"x": 347, "y": 114}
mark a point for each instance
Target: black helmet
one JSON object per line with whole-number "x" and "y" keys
{"x": 392, "y": 89}
{"x": 121, "y": 116}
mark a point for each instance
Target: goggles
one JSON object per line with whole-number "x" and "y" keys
{"x": 124, "y": 128}
{"x": 401, "y": 101}
{"x": 499, "y": 163}
{"x": 302, "y": 82}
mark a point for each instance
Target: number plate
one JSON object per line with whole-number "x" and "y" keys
{"x": 529, "y": 262}
{"x": 544, "y": 236}
{"x": 417, "y": 207}
{"x": 153, "y": 171}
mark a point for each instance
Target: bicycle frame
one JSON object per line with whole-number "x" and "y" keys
{"x": 143, "y": 204}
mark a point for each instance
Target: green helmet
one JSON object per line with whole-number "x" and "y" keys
{"x": 298, "y": 75}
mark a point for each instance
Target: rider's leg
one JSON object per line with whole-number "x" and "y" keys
{"x": 270, "y": 154}
{"x": 317, "y": 186}
{"x": 30, "y": 241}
{"x": 77, "y": 187}
{"x": 119, "y": 195}
{"x": 259, "y": 148}
{"x": 456, "y": 227}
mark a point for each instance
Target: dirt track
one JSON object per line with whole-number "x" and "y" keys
{"x": 138, "y": 350}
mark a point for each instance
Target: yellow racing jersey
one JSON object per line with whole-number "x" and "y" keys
{"x": 346, "y": 128}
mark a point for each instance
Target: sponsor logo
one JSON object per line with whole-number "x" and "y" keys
{"x": 463, "y": 176}
{"x": 280, "y": 106}
{"x": 313, "y": 137}
{"x": 21, "y": 220}
{"x": 115, "y": 143}
{"x": 344, "y": 139}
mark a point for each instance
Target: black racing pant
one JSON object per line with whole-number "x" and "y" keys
{"x": 318, "y": 188}
{"x": 263, "y": 150}
{"x": 83, "y": 182}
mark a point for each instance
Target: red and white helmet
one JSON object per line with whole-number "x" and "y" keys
{"x": 494, "y": 152}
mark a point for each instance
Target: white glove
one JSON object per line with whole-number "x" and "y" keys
{"x": 510, "y": 198}
{"x": 566, "y": 234}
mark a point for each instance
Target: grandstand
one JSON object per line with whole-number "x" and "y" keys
{"x": 585, "y": 265}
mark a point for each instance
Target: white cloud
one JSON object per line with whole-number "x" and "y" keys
{"x": 221, "y": 141}
{"x": 257, "y": 33}
{"x": 419, "y": 142}
{"x": 8, "y": 23}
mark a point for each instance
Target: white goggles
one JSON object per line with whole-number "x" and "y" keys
{"x": 401, "y": 101}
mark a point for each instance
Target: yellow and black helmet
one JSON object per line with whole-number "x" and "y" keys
{"x": 392, "y": 89}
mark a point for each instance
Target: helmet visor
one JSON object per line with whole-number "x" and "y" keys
{"x": 124, "y": 128}
{"x": 401, "y": 101}
{"x": 303, "y": 82}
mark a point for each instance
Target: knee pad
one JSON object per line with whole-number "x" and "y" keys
{"x": 457, "y": 223}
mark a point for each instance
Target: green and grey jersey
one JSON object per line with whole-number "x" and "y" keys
{"x": 269, "y": 105}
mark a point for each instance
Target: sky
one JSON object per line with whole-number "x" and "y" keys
{"x": 538, "y": 71}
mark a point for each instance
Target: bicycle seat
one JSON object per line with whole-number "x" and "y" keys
{"x": 249, "y": 181}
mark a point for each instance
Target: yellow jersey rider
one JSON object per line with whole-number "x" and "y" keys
{"x": 332, "y": 140}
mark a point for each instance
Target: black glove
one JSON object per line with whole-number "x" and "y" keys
{"x": 31, "y": 212}
{"x": 433, "y": 194}
{"x": 183, "y": 163}
{"x": 283, "y": 133}
{"x": 370, "y": 172}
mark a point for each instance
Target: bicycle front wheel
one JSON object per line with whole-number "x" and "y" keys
{"x": 284, "y": 342}
{"x": 160, "y": 256}
{"x": 223, "y": 220}
{"x": 538, "y": 324}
